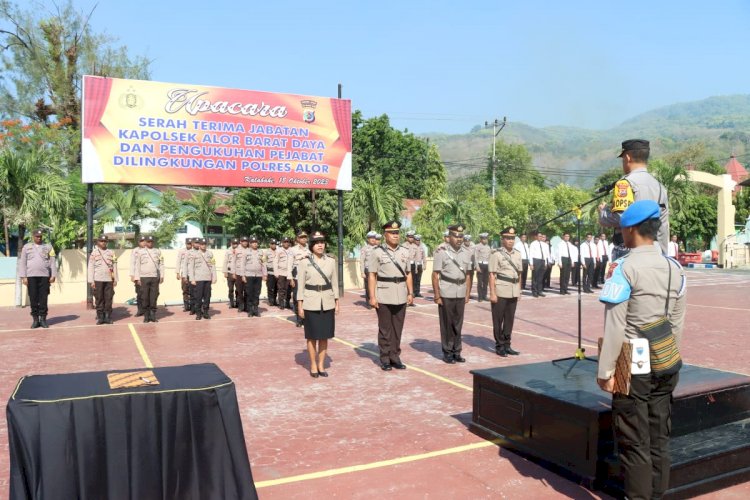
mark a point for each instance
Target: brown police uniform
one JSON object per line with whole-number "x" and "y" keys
{"x": 149, "y": 270}
{"x": 281, "y": 261}
{"x": 452, "y": 285}
{"x": 37, "y": 264}
{"x": 102, "y": 272}
{"x": 203, "y": 272}
{"x": 319, "y": 292}
{"x": 228, "y": 269}
{"x": 390, "y": 269}
{"x": 505, "y": 270}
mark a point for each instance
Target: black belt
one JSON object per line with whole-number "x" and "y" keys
{"x": 505, "y": 278}
{"x": 318, "y": 288}
{"x": 454, "y": 281}
{"x": 391, "y": 280}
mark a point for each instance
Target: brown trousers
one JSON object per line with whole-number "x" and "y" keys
{"x": 503, "y": 315}
{"x": 390, "y": 325}
{"x": 451, "y": 314}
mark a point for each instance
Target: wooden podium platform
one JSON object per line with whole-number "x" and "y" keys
{"x": 565, "y": 423}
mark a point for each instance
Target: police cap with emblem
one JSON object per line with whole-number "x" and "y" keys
{"x": 102, "y": 237}
{"x": 286, "y": 238}
{"x": 484, "y": 236}
{"x": 142, "y": 238}
{"x": 272, "y": 242}
{"x": 409, "y": 234}
{"x": 508, "y": 231}
{"x": 467, "y": 237}
{"x": 639, "y": 212}
{"x": 245, "y": 238}
{"x": 235, "y": 240}
{"x": 634, "y": 144}
{"x": 392, "y": 226}
{"x": 38, "y": 232}
{"x": 317, "y": 236}
{"x": 188, "y": 241}
{"x": 418, "y": 237}
{"x": 149, "y": 238}
{"x": 378, "y": 236}
{"x": 371, "y": 234}
{"x": 253, "y": 239}
{"x": 456, "y": 230}
{"x": 302, "y": 234}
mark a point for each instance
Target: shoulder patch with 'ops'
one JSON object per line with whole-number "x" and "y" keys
{"x": 617, "y": 287}
{"x": 623, "y": 196}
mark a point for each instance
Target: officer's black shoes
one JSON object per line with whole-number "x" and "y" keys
{"x": 300, "y": 323}
{"x": 501, "y": 352}
{"x": 206, "y": 315}
{"x": 399, "y": 366}
{"x": 250, "y": 314}
{"x": 459, "y": 359}
{"x": 99, "y": 319}
{"x": 146, "y": 318}
{"x": 192, "y": 311}
{"x": 139, "y": 313}
{"x": 107, "y": 319}
{"x": 542, "y": 294}
{"x": 512, "y": 351}
{"x": 322, "y": 374}
{"x": 153, "y": 317}
{"x": 534, "y": 294}
{"x": 314, "y": 374}
{"x": 385, "y": 367}
{"x": 449, "y": 360}
{"x": 198, "y": 316}
{"x": 43, "y": 322}
{"x": 35, "y": 323}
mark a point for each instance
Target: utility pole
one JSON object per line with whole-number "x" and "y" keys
{"x": 497, "y": 127}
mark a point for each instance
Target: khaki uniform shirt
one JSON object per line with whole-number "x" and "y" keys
{"x": 299, "y": 252}
{"x": 381, "y": 264}
{"x": 239, "y": 256}
{"x": 149, "y": 264}
{"x": 37, "y": 260}
{"x": 482, "y": 253}
{"x": 442, "y": 247}
{"x": 445, "y": 265}
{"x": 413, "y": 252}
{"x": 364, "y": 254}
{"x": 470, "y": 247}
{"x": 421, "y": 257}
{"x": 281, "y": 261}
{"x": 181, "y": 253}
{"x": 644, "y": 271}
{"x": 269, "y": 256}
{"x": 202, "y": 267}
{"x": 184, "y": 267}
{"x": 133, "y": 258}
{"x": 318, "y": 300}
{"x": 251, "y": 264}
{"x": 644, "y": 186}
{"x": 501, "y": 268}
{"x": 229, "y": 259}
{"x": 102, "y": 266}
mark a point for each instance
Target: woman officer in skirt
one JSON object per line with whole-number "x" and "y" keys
{"x": 318, "y": 301}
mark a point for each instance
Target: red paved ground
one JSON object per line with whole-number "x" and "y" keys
{"x": 360, "y": 415}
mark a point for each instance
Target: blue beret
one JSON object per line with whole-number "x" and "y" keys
{"x": 639, "y": 212}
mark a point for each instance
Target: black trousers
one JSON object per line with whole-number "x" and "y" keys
{"x": 149, "y": 293}
{"x": 603, "y": 273}
{"x": 201, "y": 296}
{"x": 271, "y": 283}
{"x": 564, "y": 274}
{"x": 575, "y": 276}
{"x": 232, "y": 295}
{"x": 537, "y": 276}
{"x": 390, "y": 325}
{"x": 252, "y": 291}
{"x": 503, "y": 316}
{"x": 367, "y": 286}
{"x": 38, "y": 294}
{"x": 547, "y": 276}
{"x": 642, "y": 422}
{"x": 103, "y": 295}
{"x": 138, "y": 296}
{"x": 281, "y": 287}
{"x": 417, "y": 276}
{"x": 483, "y": 279}
{"x": 451, "y": 314}
{"x": 597, "y": 273}
{"x": 187, "y": 296}
{"x": 524, "y": 273}
{"x": 588, "y": 274}
{"x": 241, "y": 293}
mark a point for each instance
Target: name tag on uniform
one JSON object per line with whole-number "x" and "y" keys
{"x": 641, "y": 361}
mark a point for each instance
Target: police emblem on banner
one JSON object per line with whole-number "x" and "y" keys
{"x": 129, "y": 99}
{"x": 308, "y": 110}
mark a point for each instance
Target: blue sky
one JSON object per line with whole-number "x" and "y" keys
{"x": 445, "y": 66}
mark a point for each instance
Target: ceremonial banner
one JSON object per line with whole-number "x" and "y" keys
{"x": 143, "y": 132}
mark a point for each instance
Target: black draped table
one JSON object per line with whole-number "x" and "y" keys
{"x": 71, "y": 436}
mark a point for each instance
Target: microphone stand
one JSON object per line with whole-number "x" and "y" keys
{"x": 580, "y": 353}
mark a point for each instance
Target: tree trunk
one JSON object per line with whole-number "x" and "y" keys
{"x": 19, "y": 284}
{"x": 19, "y": 243}
{"x": 7, "y": 237}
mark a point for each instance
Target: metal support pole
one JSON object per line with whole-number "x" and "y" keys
{"x": 89, "y": 238}
{"x": 497, "y": 127}
{"x": 340, "y": 195}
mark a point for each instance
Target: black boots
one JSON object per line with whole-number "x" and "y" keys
{"x": 43, "y": 321}
{"x": 232, "y": 303}
{"x": 185, "y": 307}
{"x": 107, "y": 318}
{"x": 253, "y": 311}
{"x": 205, "y": 314}
{"x": 99, "y": 318}
{"x": 35, "y": 323}
{"x": 140, "y": 313}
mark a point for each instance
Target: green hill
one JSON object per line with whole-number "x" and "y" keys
{"x": 577, "y": 156}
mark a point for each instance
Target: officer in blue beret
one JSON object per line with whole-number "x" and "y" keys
{"x": 644, "y": 296}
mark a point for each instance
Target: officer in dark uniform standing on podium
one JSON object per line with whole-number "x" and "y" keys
{"x": 390, "y": 292}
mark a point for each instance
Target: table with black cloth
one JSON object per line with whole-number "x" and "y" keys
{"x": 71, "y": 436}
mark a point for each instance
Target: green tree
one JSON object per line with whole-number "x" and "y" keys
{"x": 742, "y": 206}
{"x": 513, "y": 166}
{"x": 32, "y": 187}
{"x": 203, "y": 208}
{"x": 131, "y": 208}
{"x": 171, "y": 216}
{"x": 368, "y": 205}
